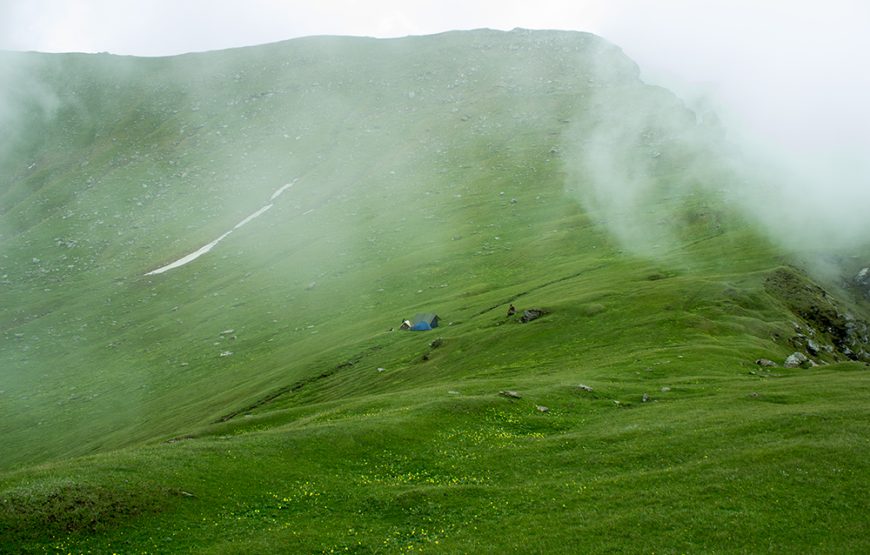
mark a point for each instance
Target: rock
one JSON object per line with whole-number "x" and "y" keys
{"x": 765, "y": 363}
{"x": 510, "y": 394}
{"x": 795, "y": 360}
{"x": 531, "y": 314}
{"x": 812, "y": 347}
{"x": 862, "y": 278}
{"x": 226, "y": 353}
{"x": 665, "y": 389}
{"x": 381, "y": 369}
{"x": 542, "y": 408}
{"x": 228, "y": 332}
{"x": 584, "y": 387}
{"x": 436, "y": 343}
{"x": 645, "y": 398}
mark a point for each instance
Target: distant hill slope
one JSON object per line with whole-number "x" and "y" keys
{"x": 375, "y": 179}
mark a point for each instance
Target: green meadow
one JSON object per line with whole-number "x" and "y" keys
{"x": 261, "y": 398}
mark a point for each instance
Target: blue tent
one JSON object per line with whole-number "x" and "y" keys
{"x": 429, "y": 317}
{"x": 424, "y": 321}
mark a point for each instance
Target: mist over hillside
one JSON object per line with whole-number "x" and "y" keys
{"x": 210, "y": 254}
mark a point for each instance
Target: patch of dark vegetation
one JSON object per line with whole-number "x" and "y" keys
{"x": 656, "y": 276}
{"x": 30, "y": 514}
{"x": 825, "y": 329}
{"x": 435, "y": 344}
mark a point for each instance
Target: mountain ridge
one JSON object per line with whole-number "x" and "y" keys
{"x": 265, "y": 384}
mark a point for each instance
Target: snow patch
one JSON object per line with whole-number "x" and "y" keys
{"x": 252, "y": 216}
{"x": 202, "y": 250}
{"x": 277, "y": 193}
{"x": 190, "y": 257}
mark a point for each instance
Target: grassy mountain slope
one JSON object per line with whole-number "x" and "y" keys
{"x": 257, "y": 399}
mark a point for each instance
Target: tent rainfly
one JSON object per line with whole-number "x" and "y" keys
{"x": 424, "y": 321}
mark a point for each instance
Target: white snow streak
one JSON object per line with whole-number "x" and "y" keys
{"x": 202, "y": 250}
{"x": 189, "y": 258}
{"x": 252, "y": 216}
{"x": 277, "y": 193}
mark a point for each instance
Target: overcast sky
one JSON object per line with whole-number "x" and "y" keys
{"x": 794, "y": 74}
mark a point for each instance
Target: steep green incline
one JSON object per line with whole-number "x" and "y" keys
{"x": 259, "y": 398}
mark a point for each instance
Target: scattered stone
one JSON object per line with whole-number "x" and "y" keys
{"x": 186, "y": 493}
{"x": 795, "y": 360}
{"x": 531, "y": 314}
{"x": 584, "y": 387}
{"x": 665, "y": 389}
{"x": 228, "y": 332}
{"x": 436, "y": 343}
{"x": 753, "y": 394}
{"x": 453, "y": 392}
{"x": 381, "y": 369}
{"x": 311, "y": 286}
{"x": 645, "y": 398}
{"x": 765, "y": 363}
{"x": 226, "y": 353}
{"x": 510, "y": 394}
{"x": 542, "y": 408}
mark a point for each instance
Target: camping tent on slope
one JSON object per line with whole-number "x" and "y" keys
{"x": 424, "y": 321}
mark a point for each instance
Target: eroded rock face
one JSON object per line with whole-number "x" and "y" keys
{"x": 862, "y": 281}
{"x": 825, "y": 328}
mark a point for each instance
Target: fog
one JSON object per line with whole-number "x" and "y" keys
{"x": 786, "y": 79}
{"x": 789, "y": 83}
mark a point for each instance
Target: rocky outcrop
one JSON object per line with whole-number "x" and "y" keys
{"x": 531, "y": 314}
{"x": 765, "y": 363}
{"x": 824, "y": 328}
{"x": 796, "y": 360}
{"x": 862, "y": 281}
